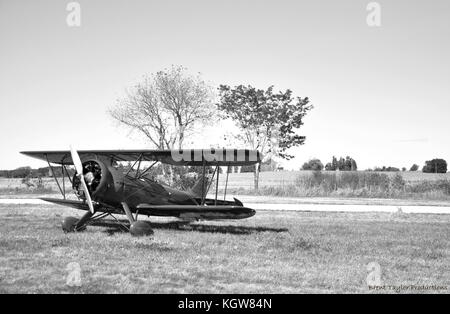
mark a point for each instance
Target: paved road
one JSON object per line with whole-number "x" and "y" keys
{"x": 327, "y": 207}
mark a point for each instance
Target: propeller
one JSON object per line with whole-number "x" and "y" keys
{"x": 79, "y": 167}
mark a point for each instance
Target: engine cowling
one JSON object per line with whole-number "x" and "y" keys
{"x": 100, "y": 182}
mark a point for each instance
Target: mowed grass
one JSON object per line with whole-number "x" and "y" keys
{"x": 272, "y": 252}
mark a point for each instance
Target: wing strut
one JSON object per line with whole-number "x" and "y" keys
{"x": 63, "y": 181}
{"x": 54, "y": 177}
{"x": 128, "y": 213}
{"x": 203, "y": 183}
{"x": 226, "y": 183}
{"x": 217, "y": 183}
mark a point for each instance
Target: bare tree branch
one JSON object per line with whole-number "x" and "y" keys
{"x": 166, "y": 107}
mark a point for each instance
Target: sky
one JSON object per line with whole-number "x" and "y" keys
{"x": 380, "y": 93}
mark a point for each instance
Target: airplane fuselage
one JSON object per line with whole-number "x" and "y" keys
{"x": 111, "y": 187}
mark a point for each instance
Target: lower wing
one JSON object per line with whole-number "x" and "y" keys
{"x": 70, "y": 203}
{"x": 181, "y": 211}
{"x": 197, "y": 211}
{"x": 82, "y": 205}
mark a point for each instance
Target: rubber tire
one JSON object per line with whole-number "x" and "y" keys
{"x": 141, "y": 228}
{"x": 68, "y": 224}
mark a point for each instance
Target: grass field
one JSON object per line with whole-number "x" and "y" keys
{"x": 272, "y": 252}
{"x": 285, "y": 178}
{"x": 357, "y": 184}
{"x": 14, "y": 186}
{"x": 245, "y": 180}
{"x": 351, "y": 184}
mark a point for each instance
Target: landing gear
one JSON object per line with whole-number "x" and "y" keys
{"x": 70, "y": 224}
{"x": 137, "y": 228}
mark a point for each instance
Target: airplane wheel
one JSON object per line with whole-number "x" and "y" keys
{"x": 141, "y": 228}
{"x": 69, "y": 223}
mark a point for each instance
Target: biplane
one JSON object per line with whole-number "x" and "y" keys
{"x": 103, "y": 188}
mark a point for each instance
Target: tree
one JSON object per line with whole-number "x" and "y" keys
{"x": 313, "y": 164}
{"x": 436, "y": 165}
{"x": 347, "y": 164}
{"x": 268, "y": 121}
{"x": 333, "y": 165}
{"x": 414, "y": 167}
{"x": 21, "y": 172}
{"x": 389, "y": 169}
{"x": 351, "y": 164}
{"x": 166, "y": 107}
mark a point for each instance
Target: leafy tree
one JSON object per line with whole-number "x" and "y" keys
{"x": 333, "y": 165}
{"x": 350, "y": 162}
{"x": 414, "y": 167}
{"x": 347, "y": 164}
{"x": 436, "y": 165}
{"x": 268, "y": 121}
{"x": 22, "y": 172}
{"x": 389, "y": 169}
{"x": 313, "y": 164}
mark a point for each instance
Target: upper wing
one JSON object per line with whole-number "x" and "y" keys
{"x": 184, "y": 157}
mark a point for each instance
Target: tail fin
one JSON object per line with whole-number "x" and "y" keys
{"x": 196, "y": 190}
